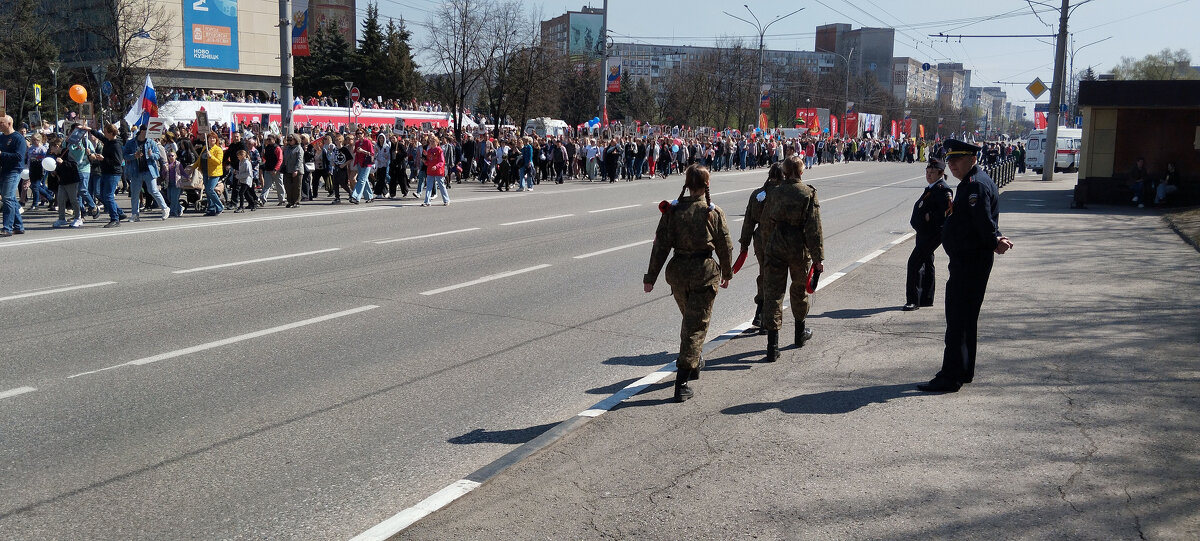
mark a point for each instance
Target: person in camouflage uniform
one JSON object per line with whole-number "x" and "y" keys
{"x": 752, "y": 231}
{"x": 695, "y": 229}
{"x": 791, "y": 218}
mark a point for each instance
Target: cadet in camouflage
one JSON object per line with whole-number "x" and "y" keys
{"x": 792, "y": 221}
{"x": 695, "y": 229}
{"x": 752, "y": 231}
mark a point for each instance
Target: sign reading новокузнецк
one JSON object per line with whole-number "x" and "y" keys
{"x": 210, "y": 34}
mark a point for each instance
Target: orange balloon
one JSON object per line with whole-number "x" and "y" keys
{"x": 319, "y": 93}
{"x": 78, "y": 93}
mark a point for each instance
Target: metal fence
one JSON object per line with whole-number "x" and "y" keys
{"x": 1002, "y": 172}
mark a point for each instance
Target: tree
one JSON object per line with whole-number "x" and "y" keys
{"x": 140, "y": 41}
{"x": 507, "y": 34}
{"x": 27, "y": 56}
{"x": 370, "y": 60}
{"x": 1167, "y": 65}
{"x": 460, "y": 58}
{"x": 402, "y": 81}
{"x": 325, "y": 70}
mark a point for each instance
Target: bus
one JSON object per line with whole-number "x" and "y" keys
{"x": 1067, "y": 150}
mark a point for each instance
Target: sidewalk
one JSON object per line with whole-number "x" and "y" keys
{"x": 1082, "y": 422}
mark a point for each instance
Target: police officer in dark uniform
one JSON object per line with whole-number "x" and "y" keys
{"x": 971, "y": 237}
{"x": 929, "y": 213}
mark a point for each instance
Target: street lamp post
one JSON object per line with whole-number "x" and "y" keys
{"x": 1073, "y": 92}
{"x": 762, "y": 31}
{"x": 54, "y": 66}
{"x": 846, "y": 105}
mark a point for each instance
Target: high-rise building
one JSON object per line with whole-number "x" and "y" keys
{"x": 911, "y": 82}
{"x": 872, "y": 49}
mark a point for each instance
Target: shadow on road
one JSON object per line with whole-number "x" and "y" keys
{"x": 854, "y": 313}
{"x": 515, "y": 436}
{"x": 830, "y": 402}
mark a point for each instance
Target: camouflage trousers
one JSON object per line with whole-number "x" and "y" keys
{"x": 694, "y": 286}
{"x": 775, "y": 276}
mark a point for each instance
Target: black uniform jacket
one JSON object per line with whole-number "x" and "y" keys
{"x": 931, "y": 210}
{"x": 974, "y": 223}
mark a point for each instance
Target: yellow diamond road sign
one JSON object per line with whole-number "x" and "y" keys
{"x": 1037, "y": 88}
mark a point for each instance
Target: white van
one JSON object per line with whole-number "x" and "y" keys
{"x": 1067, "y": 150}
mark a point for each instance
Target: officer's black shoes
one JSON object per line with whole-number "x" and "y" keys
{"x": 802, "y": 334}
{"x": 682, "y": 391}
{"x": 909, "y": 307}
{"x": 940, "y": 385}
{"x": 926, "y": 304}
{"x": 772, "y": 346}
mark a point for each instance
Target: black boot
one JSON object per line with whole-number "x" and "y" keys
{"x": 682, "y": 391}
{"x": 757, "y": 321}
{"x": 695, "y": 375}
{"x": 772, "y": 345}
{"x": 802, "y": 334}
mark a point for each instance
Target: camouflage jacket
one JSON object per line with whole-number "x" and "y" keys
{"x": 791, "y": 220}
{"x": 695, "y": 233}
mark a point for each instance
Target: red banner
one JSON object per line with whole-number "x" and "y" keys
{"x": 833, "y": 125}
{"x": 1039, "y": 120}
{"x": 921, "y": 129}
{"x": 851, "y": 122}
{"x": 810, "y": 120}
{"x": 895, "y": 129}
{"x": 908, "y": 126}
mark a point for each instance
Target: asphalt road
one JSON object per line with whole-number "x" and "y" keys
{"x": 308, "y": 373}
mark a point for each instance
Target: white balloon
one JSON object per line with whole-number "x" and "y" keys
{"x": 49, "y": 164}
{"x": 24, "y": 174}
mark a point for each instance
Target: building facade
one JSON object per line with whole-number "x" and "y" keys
{"x": 911, "y": 82}
{"x": 872, "y": 49}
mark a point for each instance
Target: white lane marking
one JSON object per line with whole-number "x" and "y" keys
{"x": 40, "y": 289}
{"x": 738, "y": 219}
{"x": 870, "y": 189}
{"x": 871, "y": 256}
{"x": 614, "y": 208}
{"x": 388, "y": 241}
{"x": 622, "y": 247}
{"x": 488, "y": 278}
{"x": 539, "y": 219}
{"x": 194, "y": 225}
{"x": 232, "y": 340}
{"x": 407, "y": 517}
{"x": 252, "y": 261}
{"x": 51, "y": 291}
{"x": 14, "y": 392}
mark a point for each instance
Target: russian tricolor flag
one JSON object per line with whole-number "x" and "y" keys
{"x": 145, "y": 108}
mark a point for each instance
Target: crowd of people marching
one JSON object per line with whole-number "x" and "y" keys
{"x": 214, "y": 169}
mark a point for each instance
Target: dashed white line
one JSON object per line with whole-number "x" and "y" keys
{"x": 870, "y": 189}
{"x": 14, "y": 392}
{"x": 252, "y": 261}
{"x": 233, "y": 340}
{"x": 388, "y": 241}
{"x": 737, "y": 219}
{"x": 488, "y": 278}
{"x": 622, "y": 247}
{"x": 539, "y": 219}
{"x": 614, "y": 208}
{"x": 51, "y": 291}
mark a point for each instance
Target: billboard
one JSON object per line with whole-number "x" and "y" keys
{"x": 210, "y": 34}
{"x": 300, "y": 28}
{"x": 585, "y": 37}
{"x": 339, "y": 13}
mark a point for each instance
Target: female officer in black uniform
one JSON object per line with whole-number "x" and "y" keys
{"x": 929, "y": 213}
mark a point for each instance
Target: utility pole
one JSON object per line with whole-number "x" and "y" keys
{"x": 285, "y": 66}
{"x": 54, "y": 66}
{"x": 762, "y": 32}
{"x": 604, "y": 69}
{"x": 1050, "y": 150}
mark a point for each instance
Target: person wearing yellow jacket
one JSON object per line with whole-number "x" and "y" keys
{"x": 209, "y": 163}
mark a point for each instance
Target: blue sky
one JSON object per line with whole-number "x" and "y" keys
{"x": 1126, "y": 28}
